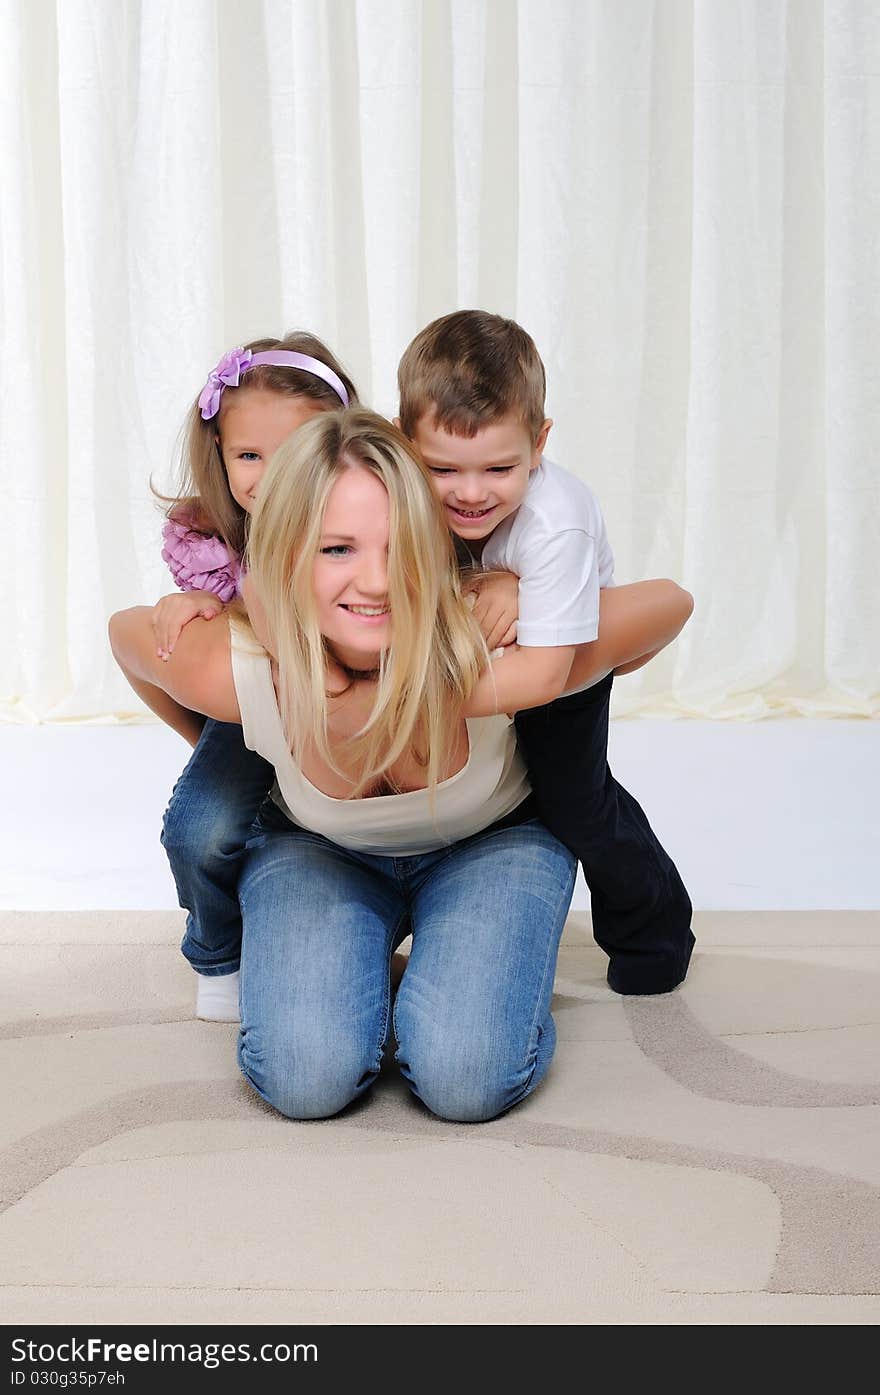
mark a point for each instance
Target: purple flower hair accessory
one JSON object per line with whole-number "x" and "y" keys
{"x": 233, "y": 366}
{"x": 226, "y": 374}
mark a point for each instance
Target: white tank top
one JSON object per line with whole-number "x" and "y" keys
{"x": 489, "y": 786}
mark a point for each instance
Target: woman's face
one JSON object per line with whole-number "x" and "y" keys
{"x": 350, "y": 573}
{"x": 253, "y": 424}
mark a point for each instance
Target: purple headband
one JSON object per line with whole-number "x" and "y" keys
{"x": 233, "y": 366}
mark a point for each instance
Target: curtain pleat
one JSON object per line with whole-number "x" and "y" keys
{"x": 680, "y": 201}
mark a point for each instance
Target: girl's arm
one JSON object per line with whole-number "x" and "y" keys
{"x": 205, "y": 569}
{"x": 635, "y": 623}
{"x": 197, "y": 678}
{"x": 172, "y": 613}
{"x": 199, "y": 561}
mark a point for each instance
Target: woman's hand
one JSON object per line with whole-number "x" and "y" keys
{"x": 169, "y": 616}
{"x": 495, "y": 606}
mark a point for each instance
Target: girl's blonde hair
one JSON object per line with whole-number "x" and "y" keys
{"x": 203, "y": 499}
{"x": 436, "y": 652}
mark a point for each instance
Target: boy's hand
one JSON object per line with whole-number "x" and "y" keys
{"x": 169, "y": 616}
{"x": 495, "y": 606}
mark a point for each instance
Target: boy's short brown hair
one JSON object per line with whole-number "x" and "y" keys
{"x": 467, "y": 370}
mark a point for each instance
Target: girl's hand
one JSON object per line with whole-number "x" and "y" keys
{"x": 169, "y": 616}
{"x": 495, "y": 606}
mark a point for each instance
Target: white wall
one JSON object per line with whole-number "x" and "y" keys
{"x": 778, "y": 814}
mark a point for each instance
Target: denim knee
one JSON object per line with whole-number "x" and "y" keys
{"x": 195, "y": 837}
{"x": 452, "y": 1096}
{"x": 215, "y": 800}
{"x": 465, "y": 1087}
{"x": 299, "y": 1081}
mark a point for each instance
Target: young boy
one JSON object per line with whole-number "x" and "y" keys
{"x": 472, "y": 399}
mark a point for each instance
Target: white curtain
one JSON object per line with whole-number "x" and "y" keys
{"x": 680, "y": 201}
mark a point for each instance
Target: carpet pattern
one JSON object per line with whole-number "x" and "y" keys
{"x": 707, "y": 1156}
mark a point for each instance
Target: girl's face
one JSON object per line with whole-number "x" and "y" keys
{"x": 254, "y": 422}
{"x": 350, "y": 574}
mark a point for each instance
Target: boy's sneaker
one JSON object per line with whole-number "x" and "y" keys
{"x": 217, "y": 997}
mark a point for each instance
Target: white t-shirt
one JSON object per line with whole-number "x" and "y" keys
{"x": 489, "y": 786}
{"x": 557, "y": 545}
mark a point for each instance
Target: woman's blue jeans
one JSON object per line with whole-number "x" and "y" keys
{"x": 471, "y": 1018}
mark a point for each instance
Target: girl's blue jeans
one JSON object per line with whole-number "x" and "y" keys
{"x": 471, "y": 1019}
{"x": 206, "y": 826}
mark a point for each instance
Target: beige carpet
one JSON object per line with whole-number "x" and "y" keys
{"x": 711, "y": 1156}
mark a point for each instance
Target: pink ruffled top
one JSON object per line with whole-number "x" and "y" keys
{"x": 200, "y": 561}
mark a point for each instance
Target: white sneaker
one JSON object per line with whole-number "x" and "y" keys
{"x": 217, "y": 997}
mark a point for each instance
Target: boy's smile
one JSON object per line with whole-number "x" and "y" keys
{"x": 480, "y": 479}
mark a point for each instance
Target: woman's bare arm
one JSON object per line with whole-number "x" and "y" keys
{"x": 635, "y": 623}
{"x": 186, "y": 723}
{"x": 196, "y": 679}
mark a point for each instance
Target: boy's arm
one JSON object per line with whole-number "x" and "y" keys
{"x": 558, "y": 610}
{"x": 196, "y": 679}
{"x": 636, "y": 622}
{"x": 519, "y": 679}
{"x": 494, "y": 599}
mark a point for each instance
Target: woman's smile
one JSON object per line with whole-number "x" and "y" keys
{"x": 367, "y": 614}
{"x": 351, "y": 569}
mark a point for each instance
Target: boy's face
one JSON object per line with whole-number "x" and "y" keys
{"x": 480, "y": 479}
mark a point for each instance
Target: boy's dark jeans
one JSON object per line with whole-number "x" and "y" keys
{"x": 641, "y": 910}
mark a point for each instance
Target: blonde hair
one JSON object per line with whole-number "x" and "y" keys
{"x": 436, "y": 652}
{"x": 467, "y": 370}
{"x": 203, "y": 499}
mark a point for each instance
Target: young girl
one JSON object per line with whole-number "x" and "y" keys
{"x": 254, "y": 398}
